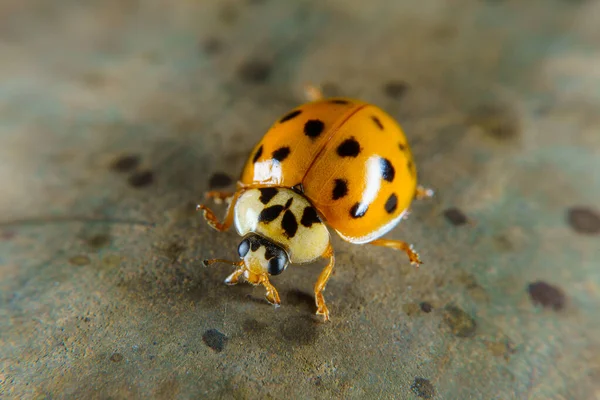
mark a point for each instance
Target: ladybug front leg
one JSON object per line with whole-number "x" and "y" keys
{"x": 402, "y": 246}
{"x": 322, "y": 281}
{"x": 423, "y": 193}
{"x": 212, "y": 220}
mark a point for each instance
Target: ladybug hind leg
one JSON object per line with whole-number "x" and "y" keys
{"x": 413, "y": 256}
{"x": 210, "y": 216}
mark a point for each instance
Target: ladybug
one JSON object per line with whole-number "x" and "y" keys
{"x": 335, "y": 161}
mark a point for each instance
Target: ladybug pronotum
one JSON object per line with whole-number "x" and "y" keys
{"x": 335, "y": 161}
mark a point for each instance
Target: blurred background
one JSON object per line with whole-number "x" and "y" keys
{"x": 117, "y": 115}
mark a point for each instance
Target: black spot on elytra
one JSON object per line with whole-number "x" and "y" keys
{"x": 290, "y": 115}
{"x": 281, "y": 153}
{"x": 411, "y": 167}
{"x": 270, "y": 213}
{"x": 377, "y": 122}
{"x": 215, "y": 340}
{"x": 258, "y": 154}
{"x": 583, "y": 220}
{"x": 141, "y": 179}
{"x": 266, "y": 194}
{"x": 461, "y": 324}
{"x": 254, "y": 71}
{"x": 309, "y": 217}
{"x": 426, "y": 307}
{"x": 455, "y": 216}
{"x": 288, "y": 203}
{"x": 289, "y": 224}
{"x": 402, "y": 146}
{"x": 387, "y": 170}
{"x": 340, "y": 189}
{"x": 219, "y": 180}
{"x": 395, "y": 89}
{"x": 125, "y": 163}
{"x": 349, "y": 148}
{"x": 339, "y": 101}
{"x": 116, "y": 357}
{"x": 391, "y": 204}
{"x": 546, "y": 295}
{"x": 358, "y": 210}
{"x": 313, "y": 128}
{"x": 423, "y": 388}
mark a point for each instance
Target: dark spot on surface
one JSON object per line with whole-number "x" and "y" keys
{"x": 423, "y": 388}
{"x": 395, "y": 89}
{"x": 215, "y": 340}
{"x": 309, "y": 217}
{"x": 173, "y": 250}
{"x": 116, "y": 357}
{"x": 387, "y": 169}
{"x": 455, "y": 216}
{"x": 290, "y": 115}
{"x": 377, "y": 122}
{"x": 358, "y": 210}
{"x": 546, "y": 295}
{"x": 461, "y": 324}
{"x": 340, "y": 189}
{"x": 348, "y": 148}
{"x": 258, "y": 154}
{"x": 254, "y": 71}
{"x": 141, "y": 179}
{"x": 297, "y": 297}
{"x": 584, "y": 220}
{"x": 7, "y": 235}
{"x": 281, "y": 153}
{"x": 270, "y": 213}
{"x": 339, "y": 101}
{"x": 299, "y": 330}
{"x": 496, "y": 121}
{"x": 253, "y": 326}
{"x": 98, "y": 241}
{"x": 79, "y": 260}
{"x": 219, "y": 180}
{"x": 410, "y": 309}
{"x": 289, "y": 224}
{"x": 125, "y": 163}
{"x": 313, "y": 128}
{"x": 266, "y": 194}
{"x": 228, "y": 14}
{"x": 391, "y": 204}
{"x": 426, "y": 307}
{"x": 212, "y": 46}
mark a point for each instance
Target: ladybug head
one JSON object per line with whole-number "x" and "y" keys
{"x": 261, "y": 256}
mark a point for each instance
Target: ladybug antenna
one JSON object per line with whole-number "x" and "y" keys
{"x": 206, "y": 263}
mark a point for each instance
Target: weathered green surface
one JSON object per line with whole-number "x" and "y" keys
{"x": 101, "y": 296}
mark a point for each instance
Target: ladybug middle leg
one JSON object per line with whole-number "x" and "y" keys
{"x": 402, "y": 246}
{"x": 322, "y": 281}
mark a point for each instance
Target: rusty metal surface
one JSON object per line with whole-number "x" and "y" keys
{"x": 116, "y": 117}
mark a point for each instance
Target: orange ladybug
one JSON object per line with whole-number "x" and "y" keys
{"x": 335, "y": 161}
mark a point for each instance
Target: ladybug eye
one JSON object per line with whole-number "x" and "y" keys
{"x": 277, "y": 264}
{"x": 243, "y": 248}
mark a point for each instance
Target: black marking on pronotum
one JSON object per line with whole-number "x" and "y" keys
{"x": 313, "y": 128}
{"x": 377, "y": 122}
{"x": 258, "y": 154}
{"x": 348, "y": 148}
{"x": 281, "y": 153}
{"x": 358, "y": 210}
{"x": 340, "y": 189}
{"x": 290, "y": 115}
{"x": 387, "y": 170}
{"x": 269, "y": 214}
{"x": 266, "y": 194}
{"x": 289, "y": 224}
{"x": 309, "y": 217}
{"x": 391, "y": 204}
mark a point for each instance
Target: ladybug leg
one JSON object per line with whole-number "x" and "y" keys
{"x": 322, "y": 281}
{"x": 212, "y": 220}
{"x": 219, "y": 197}
{"x": 312, "y": 93}
{"x": 423, "y": 193}
{"x": 400, "y": 245}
